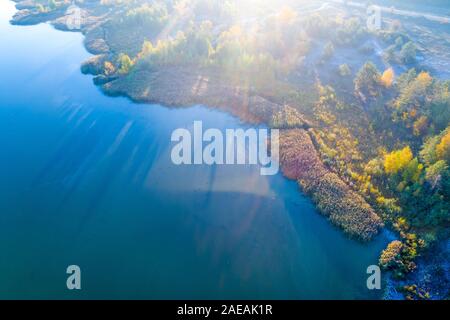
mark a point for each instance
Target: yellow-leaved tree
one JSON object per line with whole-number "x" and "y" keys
{"x": 108, "y": 68}
{"x": 397, "y": 160}
{"x": 443, "y": 148}
{"x": 424, "y": 79}
{"x": 287, "y": 15}
{"x": 387, "y": 79}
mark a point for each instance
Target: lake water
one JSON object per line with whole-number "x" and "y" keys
{"x": 87, "y": 179}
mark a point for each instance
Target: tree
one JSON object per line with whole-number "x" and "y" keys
{"x": 399, "y": 42}
{"x": 434, "y": 173}
{"x": 367, "y": 80}
{"x": 412, "y": 171}
{"x": 397, "y": 160}
{"x": 328, "y": 51}
{"x": 374, "y": 167}
{"x": 125, "y": 63}
{"x": 424, "y": 79}
{"x": 52, "y": 4}
{"x": 440, "y": 108}
{"x": 108, "y": 68}
{"x": 420, "y": 125}
{"x": 389, "y": 205}
{"x": 150, "y": 16}
{"x": 443, "y": 148}
{"x": 428, "y": 152}
{"x": 416, "y": 94}
{"x": 344, "y": 70}
{"x": 147, "y": 49}
{"x": 408, "y": 53}
{"x": 391, "y": 255}
{"x": 389, "y": 54}
{"x": 387, "y": 78}
{"x": 287, "y": 15}
{"x": 405, "y": 79}
{"x": 40, "y": 8}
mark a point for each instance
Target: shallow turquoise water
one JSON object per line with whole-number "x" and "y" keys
{"x": 86, "y": 179}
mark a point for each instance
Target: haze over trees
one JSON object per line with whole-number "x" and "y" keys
{"x": 378, "y": 118}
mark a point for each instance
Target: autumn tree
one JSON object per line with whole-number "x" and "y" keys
{"x": 287, "y": 15}
{"x": 391, "y": 255}
{"x": 443, "y": 148}
{"x": 108, "y": 68}
{"x": 387, "y": 78}
{"x": 397, "y": 160}
{"x": 413, "y": 102}
{"x": 420, "y": 126}
{"x": 414, "y": 94}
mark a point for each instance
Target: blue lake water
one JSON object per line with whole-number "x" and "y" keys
{"x": 87, "y": 179}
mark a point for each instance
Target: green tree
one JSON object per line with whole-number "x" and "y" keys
{"x": 408, "y": 53}
{"x": 52, "y": 4}
{"x": 435, "y": 173}
{"x": 367, "y": 80}
{"x": 125, "y": 63}
{"x": 344, "y": 70}
{"x": 412, "y": 171}
{"x": 328, "y": 51}
{"x": 428, "y": 152}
